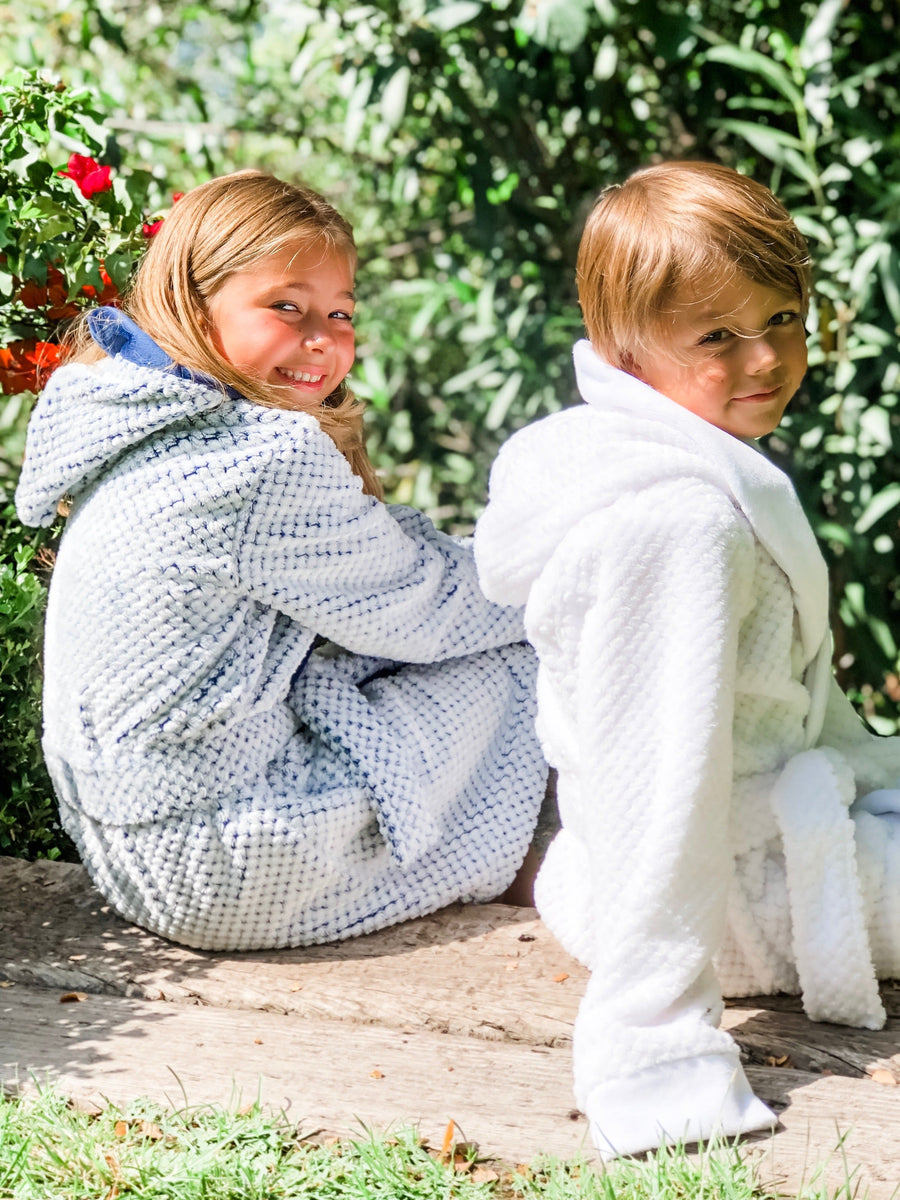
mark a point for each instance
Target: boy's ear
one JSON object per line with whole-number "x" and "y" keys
{"x": 630, "y": 364}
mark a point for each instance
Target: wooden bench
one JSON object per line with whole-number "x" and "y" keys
{"x": 466, "y": 1016}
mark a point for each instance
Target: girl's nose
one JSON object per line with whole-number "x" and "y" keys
{"x": 316, "y": 335}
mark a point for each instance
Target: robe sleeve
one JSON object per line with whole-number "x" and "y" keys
{"x": 642, "y": 606}
{"x": 374, "y": 580}
{"x": 874, "y": 760}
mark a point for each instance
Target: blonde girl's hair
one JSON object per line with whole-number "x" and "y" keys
{"x": 216, "y": 229}
{"x": 673, "y": 229}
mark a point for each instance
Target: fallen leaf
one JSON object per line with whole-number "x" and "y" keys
{"x": 512, "y": 966}
{"x": 561, "y": 977}
{"x": 6, "y": 983}
{"x": 90, "y": 1108}
{"x": 151, "y": 1131}
{"x": 447, "y": 1144}
{"x": 112, "y": 1162}
{"x": 881, "y": 1075}
{"x": 464, "y": 1155}
{"x": 782, "y": 1060}
{"x": 71, "y": 997}
{"x": 77, "y": 957}
{"x": 257, "y": 1041}
{"x": 298, "y": 987}
{"x": 376, "y": 1074}
{"x": 526, "y": 937}
{"x": 120, "y": 1128}
{"x": 485, "y": 1175}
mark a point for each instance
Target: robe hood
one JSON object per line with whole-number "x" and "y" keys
{"x": 89, "y": 415}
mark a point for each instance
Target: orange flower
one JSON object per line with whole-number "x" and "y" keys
{"x": 25, "y": 366}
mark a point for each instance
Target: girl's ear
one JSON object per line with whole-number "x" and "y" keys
{"x": 630, "y": 365}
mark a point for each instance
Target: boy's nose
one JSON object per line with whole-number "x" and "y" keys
{"x": 761, "y": 355}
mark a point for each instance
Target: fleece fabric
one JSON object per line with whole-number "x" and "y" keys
{"x": 276, "y": 710}
{"x": 717, "y": 828}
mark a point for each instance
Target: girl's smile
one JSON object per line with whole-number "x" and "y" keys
{"x": 288, "y": 320}
{"x": 734, "y": 358}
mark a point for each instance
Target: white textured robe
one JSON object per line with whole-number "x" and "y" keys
{"x": 707, "y": 759}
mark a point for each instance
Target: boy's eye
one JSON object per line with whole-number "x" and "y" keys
{"x": 715, "y": 337}
{"x": 285, "y": 306}
{"x": 340, "y": 315}
{"x": 784, "y": 318}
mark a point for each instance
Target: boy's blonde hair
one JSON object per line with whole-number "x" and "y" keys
{"x": 216, "y": 229}
{"x": 675, "y": 229}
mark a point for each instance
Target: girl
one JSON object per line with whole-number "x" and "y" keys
{"x": 277, "y": 711}
{"x": 716, "y": 827}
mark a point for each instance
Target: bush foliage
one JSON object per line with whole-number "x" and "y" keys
{"x": 467, "y": 139}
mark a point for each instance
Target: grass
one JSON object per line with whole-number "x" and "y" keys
{"x": 52, "y": 1151}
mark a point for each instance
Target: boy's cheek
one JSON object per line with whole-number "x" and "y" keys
{"x": 715, "y": 372}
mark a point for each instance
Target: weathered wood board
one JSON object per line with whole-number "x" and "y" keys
{"x": 481, "y": 970}
{"x": 466, "y": 1015}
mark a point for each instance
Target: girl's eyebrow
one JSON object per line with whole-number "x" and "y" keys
{"x": 301, "y": 286}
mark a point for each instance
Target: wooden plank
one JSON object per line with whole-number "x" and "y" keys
{"x": 484, "y": 986}
{"x": 814, "y": 1047}
{"x": 514, "y": 1100}
{"x": 831, "y": 1127}
{"x": 486, "y": 971}
{"x": 511, "y": 1098}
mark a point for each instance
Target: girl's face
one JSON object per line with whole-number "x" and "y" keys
{"x": 734, "y": 357}
{"x": 288, "y": 321}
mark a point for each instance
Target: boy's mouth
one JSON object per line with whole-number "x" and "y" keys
{"x": 760, "y": 396}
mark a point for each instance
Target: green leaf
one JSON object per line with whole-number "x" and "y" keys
{"x": 879, "y": 506}
{"x": 889, "y": 270}
{"x": 502, "y": 401}
{"x": 776, "y": 145}
{"x": 755, "y": 63}
{"x": 471, "y": 375}
{"x": 452, "y": 15}
{"x": 393, "y": 98}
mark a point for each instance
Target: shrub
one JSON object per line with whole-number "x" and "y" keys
{"x": 71, "y": 230}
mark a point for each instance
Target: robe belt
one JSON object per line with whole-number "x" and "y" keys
{"x": 810, "y": 801}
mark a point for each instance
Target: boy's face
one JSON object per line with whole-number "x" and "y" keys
{"x": 734, "y": 357}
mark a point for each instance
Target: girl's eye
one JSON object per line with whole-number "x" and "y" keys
{"x": 285, "y": 306}
{"x": 340, "y": 315}
{"x": 784, "y": 318}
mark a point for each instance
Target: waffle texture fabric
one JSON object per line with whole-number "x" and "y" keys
{"x": 276, "y": 711}
{"x": 718, "y": 830}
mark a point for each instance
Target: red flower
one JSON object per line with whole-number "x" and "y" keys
{"x": 151, "y": 228}
{"x": 53, "y": 297}
{"x": 176, "y": 196}
{"x": 107, "y": 295}
{"x": 90, "y": 177}
{"x": 24, "y": 366}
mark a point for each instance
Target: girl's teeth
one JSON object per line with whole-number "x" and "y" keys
{"x": 302, "y": 376}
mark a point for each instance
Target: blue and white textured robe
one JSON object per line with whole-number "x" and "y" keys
{"x": 276, "y": 710}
